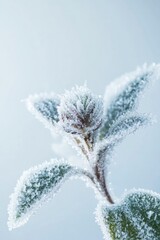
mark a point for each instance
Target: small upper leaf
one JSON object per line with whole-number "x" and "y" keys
{"x": 35, "y": 186}
{"x": 104, "y": 149}
{"x": 127, "y": 125}
{"x": 137, "y": 217}
{"x": 44, "y": 107}
{"x": 121, "y": 95}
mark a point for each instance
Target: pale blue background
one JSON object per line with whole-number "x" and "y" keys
{"x": 52, "y": 45}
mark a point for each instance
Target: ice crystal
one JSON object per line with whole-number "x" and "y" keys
{"x": 94, "y": 127}
{"x": 135, "y": 217}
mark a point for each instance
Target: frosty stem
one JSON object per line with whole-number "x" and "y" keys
{"x": 98, "y": 176}
{"x": 102, "y": 181}
{"x": 109, "y": 198}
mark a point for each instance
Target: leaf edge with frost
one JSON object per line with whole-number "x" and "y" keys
{"x": 13, "y": 221}
{"x": 34, "y": 99}
{"x": 121, "y": 204}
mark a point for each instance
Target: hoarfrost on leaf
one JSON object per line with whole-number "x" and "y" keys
{"x": 35, "y": 186}
{"x": 121, "y": 95}
{"x": 44, "y": 107}
{"x": 135, "y": 217}
{"x": 127, "y": 125}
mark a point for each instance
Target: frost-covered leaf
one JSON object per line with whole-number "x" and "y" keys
{"x": 44, "y": 107}
{"x": 127, "y": 125}
{"x": 137, "y": 217}
{"x": 122, "y": 94}
{"x": 35, "y": 186}
{"x": 103, "y": 150}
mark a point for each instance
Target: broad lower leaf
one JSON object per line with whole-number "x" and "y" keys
{"x": 122, "y": 94}
{"x": 35, "y": 186}
{"x": 44, "y": 107}
{"x": 137, "y": 217}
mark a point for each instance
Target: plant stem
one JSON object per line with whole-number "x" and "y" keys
{"x": 101, "y": 179}
{"x": 109, "y": 198}
{"x": 98, "y": 174}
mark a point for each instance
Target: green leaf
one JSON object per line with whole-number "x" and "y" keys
{"x": 44, "y": 107}
{"x": 127, "y": 125}
{"x": 122, "y": 94}
{"x": 137, "y": 217}
{"x": 36, "y": 186}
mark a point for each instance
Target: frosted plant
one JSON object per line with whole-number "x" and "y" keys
{"x": 93, "y": 126}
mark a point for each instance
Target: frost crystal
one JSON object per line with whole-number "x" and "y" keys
{"x": 80, "y": 111}
{"x": 35, "y": 186}
{"x": 136, "y": 217}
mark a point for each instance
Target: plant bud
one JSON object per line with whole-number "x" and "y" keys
{"x": 80, "y": 111}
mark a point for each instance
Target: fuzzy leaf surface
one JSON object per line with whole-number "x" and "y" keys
{"x": 36, "y": 186}
{"x": 122, "y": 94}
{"x": 137, "y": 217}
{"x": 44, "y": 107}
{"x": 127, "y": 125}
